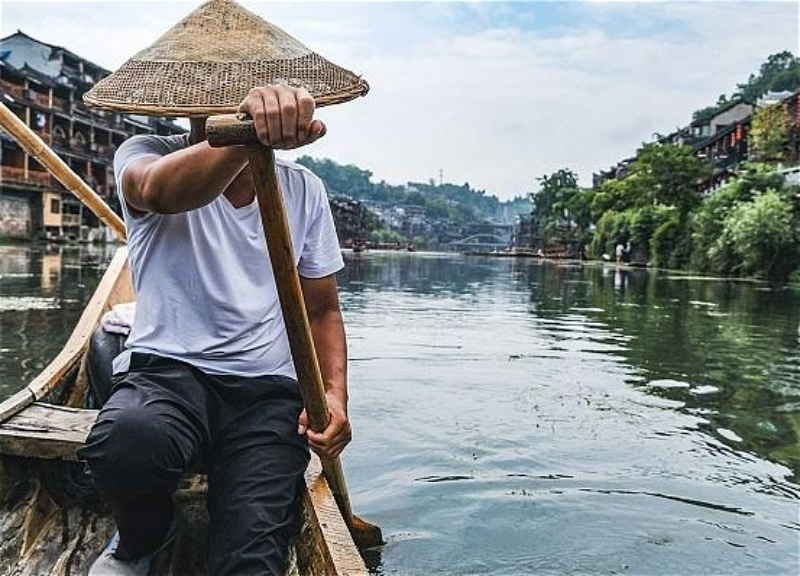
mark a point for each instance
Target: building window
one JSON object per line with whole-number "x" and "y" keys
{"x": 55, "y": 206}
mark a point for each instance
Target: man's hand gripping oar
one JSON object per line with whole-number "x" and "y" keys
{"x": 231, "y": 130}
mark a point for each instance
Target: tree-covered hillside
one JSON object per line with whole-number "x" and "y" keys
{"x": 460, "y": 204}
{"x": 779, "y": 73}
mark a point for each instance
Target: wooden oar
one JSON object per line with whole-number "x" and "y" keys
{"x": 233, "y": 129}
{"x": 37, "y": 148}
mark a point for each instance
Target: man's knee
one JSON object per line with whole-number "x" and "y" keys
{"x": 132, "y": 449}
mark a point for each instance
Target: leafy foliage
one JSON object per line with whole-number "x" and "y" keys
{"x": 670, "y": 175}
{"x": 780, "y": 72}
{"x": 748, "y": 226}
{"x": 662, "y": 175}
{"x": 762, "y": 234}
{"x": 665, "y": 243}
{"x": 460, "y": 204}
{"x": 562, "y": 208}
{"x": 709, "y": 253}
{"x": 769, "y": 133}
{"x": 550, "y": 201}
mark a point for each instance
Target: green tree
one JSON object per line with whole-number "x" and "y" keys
{"x": 618, "y": 195}
{"x": 579, "y": 207}
{"x": 781, "y": 71}
{"x": 666, "y": 241}
{"x": 670, "y": 175}
{"x": 386, "y": 237}
{"x": 762, "y": 234}
{"x": 712, "y": 250}
{"x": 662, "y": 174}
{"x": 550, "y": 202}
{"x": 650, "y": 207}
{"x": 769, "y": 133}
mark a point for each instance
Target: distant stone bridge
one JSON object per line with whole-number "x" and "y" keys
{"x": 479, "y": 242}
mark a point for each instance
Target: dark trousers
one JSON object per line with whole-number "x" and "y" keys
{"x": 165, "y": 417}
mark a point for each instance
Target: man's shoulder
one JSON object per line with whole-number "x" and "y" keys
{"x": 153, "y": 143}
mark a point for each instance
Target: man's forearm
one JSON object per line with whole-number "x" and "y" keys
{"x": 330, "y": 343}
{"x": 188, "y": 179}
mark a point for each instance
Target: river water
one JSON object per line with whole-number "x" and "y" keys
{"x": 519, "y": 417}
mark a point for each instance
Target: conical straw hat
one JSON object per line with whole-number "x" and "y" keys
{"x": 207, "y": 63}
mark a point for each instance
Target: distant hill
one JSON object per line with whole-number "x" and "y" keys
{"x": 460, "y": 204}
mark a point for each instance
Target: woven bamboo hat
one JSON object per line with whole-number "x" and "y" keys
{"x": 208, "y": 62}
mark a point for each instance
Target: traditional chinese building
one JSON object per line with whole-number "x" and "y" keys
{"x": 43, "y": 85}
{"x": 352, "y": 220}
{"x": 722, "y": 138}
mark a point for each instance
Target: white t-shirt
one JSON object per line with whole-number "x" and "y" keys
{"x": 204, "y": 285}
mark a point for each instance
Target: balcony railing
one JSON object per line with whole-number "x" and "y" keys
{"x": 13, "y": 89}
{"x": 61, "y": 104}
{"x": 17, "y": 175}
{"x": 80, "y": 108}
{"x": 41, "y": 99}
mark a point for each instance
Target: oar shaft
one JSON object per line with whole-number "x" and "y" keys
{"x": 232, "y": 130}
{"x": 281, "y": 254}
{"x": 37, "y": 148}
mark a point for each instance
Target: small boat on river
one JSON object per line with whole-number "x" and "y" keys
{"x": 52, "y": 522}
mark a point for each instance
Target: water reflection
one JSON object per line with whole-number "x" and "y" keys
{"x": 516, "y": 417}
{"x": 43, "y": 290}
{"x": 732, "y": 344}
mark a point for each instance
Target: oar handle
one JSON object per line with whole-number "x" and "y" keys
{"x": 231, "y": 130}
{"x": 236, "y": 130}
{"x": 37, "y": 148}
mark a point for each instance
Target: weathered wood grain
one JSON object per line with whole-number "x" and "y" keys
{"x": 43, "y": 431}
{"x": 39, "y": 537}
{"x": 46, "y": 431}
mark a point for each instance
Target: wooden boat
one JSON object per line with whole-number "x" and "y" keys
{"x": 50, "y": 521}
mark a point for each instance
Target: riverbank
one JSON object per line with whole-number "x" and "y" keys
{"x": 687, "y": 274}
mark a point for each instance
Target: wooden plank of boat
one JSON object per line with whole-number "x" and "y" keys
{"x": 46, "y": 431}
{"x": 43, "y": 531}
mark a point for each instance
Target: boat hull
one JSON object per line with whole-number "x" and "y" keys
{"x": 51, "y": 520}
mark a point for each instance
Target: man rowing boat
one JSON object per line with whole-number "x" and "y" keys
{"x": 207, "y": 378}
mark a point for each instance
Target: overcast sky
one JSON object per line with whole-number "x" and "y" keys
{"x": 492, "y": 93}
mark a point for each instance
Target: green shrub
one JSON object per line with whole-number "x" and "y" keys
{"x": 664, "y": 240}
{"x": 761, "y": 233}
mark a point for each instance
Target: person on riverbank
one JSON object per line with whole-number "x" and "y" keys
{"x": 207, "y": 378}
{"x": 620, "y": 252}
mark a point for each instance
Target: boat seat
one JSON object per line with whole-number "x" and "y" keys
{"x": 103, "y": 348}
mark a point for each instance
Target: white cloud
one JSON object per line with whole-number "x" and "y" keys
{"x": 489, "y": 98}
{"x": 501, "y": 107}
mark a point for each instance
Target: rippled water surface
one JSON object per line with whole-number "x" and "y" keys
{"x": 516, "y": 417}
